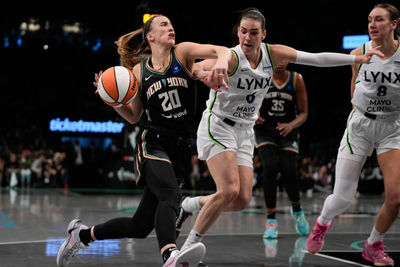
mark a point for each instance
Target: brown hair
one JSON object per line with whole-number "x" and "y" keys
{"x": 133, "y": 46}
{"x": 248, "y": 13}
{"x": 393, "y": 15}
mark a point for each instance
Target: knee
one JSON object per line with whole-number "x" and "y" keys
{"x": 241, "y": 202}
{"x": 392, "y": 201}
{"x": 339, "y": 201}
{"x": 233, "y": 193}
{"x": 228, "y": 194}
{"x": 171, "y": 198}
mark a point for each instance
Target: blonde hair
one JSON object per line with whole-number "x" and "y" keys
{"x": 133, "y": 46}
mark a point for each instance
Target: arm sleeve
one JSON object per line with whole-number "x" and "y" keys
{"x": 324, "y": 59}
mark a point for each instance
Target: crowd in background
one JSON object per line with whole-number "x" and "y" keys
{"x": 69, "y": 165}
{"x": 37, "y": 164}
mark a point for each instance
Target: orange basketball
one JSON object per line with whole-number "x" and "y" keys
{"x": 117, "y": 86}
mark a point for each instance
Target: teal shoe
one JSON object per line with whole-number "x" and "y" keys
{"x": 271, "y": 229}
{"x": 300, "y": 248}
{"x": 271, "y": 247}
{"x": 301, "y": 221}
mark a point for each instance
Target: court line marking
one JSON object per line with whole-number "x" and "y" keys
{"x": 337, "y": 259}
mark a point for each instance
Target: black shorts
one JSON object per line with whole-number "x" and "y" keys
{"x": 159, "y": 146}
{"x": 270, "y": 136}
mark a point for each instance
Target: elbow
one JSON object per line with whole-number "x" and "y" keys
{"x": 133, "y": 120}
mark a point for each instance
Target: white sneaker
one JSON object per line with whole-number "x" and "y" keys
{"x": 72, "y": 243}
{"x": 189, "y": 257}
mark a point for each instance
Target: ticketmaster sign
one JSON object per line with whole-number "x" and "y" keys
{"x": 57, "y": 125}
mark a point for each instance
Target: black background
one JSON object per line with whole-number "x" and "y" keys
{"x": 38, "y": 85}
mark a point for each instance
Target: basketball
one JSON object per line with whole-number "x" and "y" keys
{"x": 117, "y": 86}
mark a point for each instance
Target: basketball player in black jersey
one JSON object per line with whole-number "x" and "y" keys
{"x": 167, "y": 104}
{"x": 283, "y": 111}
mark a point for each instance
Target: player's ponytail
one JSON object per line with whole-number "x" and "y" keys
{"x": 397, "y": 31}
{"x": 133, "y": 46}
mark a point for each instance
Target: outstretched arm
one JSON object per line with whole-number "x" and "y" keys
{"x": 325, "y": 59}
{"x": 188, "y": 52}
{"x": 201, "y": 70}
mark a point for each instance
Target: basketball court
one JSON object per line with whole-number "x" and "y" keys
{"x": 33, "y": 225}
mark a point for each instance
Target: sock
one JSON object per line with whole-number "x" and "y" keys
{"x": 375, "y": 236}
{"x": 167, "y": 253}
{"x": 191, "y": 204}
{"x": 271, "y": 215}
{"x": 85, "y": 236}
{"x": 296, "y": 207}
{"x": 322, "y": 220}
{"x": 193, "y": 238}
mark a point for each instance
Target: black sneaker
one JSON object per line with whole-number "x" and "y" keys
{"x": 181, "y": 218}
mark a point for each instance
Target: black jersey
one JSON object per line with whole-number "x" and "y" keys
{"x": 169, "y": 98}
{"x": 280, "y": 103}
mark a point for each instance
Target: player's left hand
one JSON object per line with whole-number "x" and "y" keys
{"x": 284, "y": 128}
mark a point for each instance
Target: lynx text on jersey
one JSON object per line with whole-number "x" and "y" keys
{"x": 253, "y": 84}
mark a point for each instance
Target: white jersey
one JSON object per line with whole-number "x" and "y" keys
{"x": 378, "y": 86}
{"x": 247, "y": 88}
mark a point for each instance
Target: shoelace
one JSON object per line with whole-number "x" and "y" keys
{"x": 378, "y": 251}
{"x": 75, "y": 249}
{"x": 299, "y": 220}
{"x": 271, "y": 227}
{"x": 318, "y": 233}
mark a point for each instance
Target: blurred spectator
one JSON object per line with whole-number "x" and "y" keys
{"x": 46, "y": 150}
{"x": 78, "y": 168}
{"x": 78, "y": 153}
{"x": 40, "y": 170}
{"x": 65, "y": 170}
{"x": 93, "y": 158}
{"x": 306, "y": 176}
{"x": 1, "y": 170}
{"x": 25, "y": 163}
{"x": 12, "y": 169}
{"x": 194, "y": 176}
{"x": 322, "y": 180}
{"x": 59, "y": 178}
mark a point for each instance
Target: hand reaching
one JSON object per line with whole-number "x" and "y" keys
{"x": 96, "y": 78}
{"x": 207, "y": 78}
{"x": 368, "y": 55}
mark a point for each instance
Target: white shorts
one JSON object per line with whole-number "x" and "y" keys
{"x": 215, "y": 136}
{"x": 363, "y": 134}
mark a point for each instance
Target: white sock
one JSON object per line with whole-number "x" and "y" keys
{"x": 375, "y": 236}
{"x": 193, "y": 238}
{"x": 191, "y": 204}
